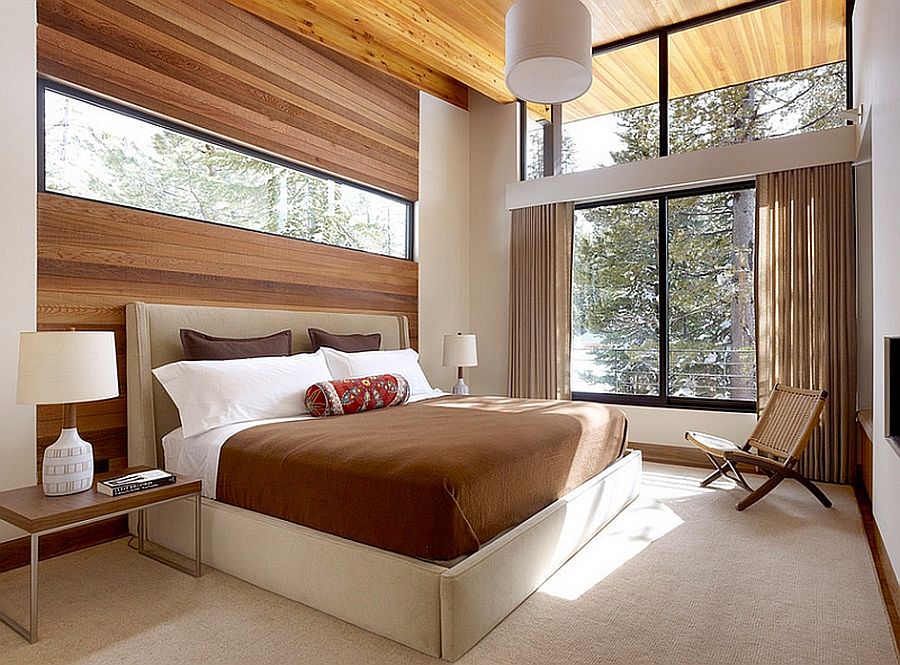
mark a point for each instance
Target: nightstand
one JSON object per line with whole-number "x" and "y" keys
{"x": 28, "y": 509}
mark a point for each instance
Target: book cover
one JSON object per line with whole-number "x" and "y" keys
{"x": 135, "y": 482}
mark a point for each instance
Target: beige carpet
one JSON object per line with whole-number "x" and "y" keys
{"x": 679, "y": 577}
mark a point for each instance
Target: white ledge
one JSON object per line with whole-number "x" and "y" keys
{"x": 727, "y": 164}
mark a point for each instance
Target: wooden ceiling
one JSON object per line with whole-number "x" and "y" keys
{"x": 787, "y": 37}
{"x": 447, "y": 46}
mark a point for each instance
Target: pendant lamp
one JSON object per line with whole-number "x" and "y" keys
{"x": 548, "y": 50}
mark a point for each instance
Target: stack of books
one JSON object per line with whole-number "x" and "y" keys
{"x": 135, "y": 482}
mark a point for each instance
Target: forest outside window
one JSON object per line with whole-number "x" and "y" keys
{"x": 745, "y": 89}
{"x": 739, "y": 76}
{"x": 96, "y": 150}
{"x": 662, "y": 296}
{"x": 617, "y": 120}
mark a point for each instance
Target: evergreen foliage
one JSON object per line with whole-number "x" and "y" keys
{"x": 710, "y": 317}
{"x": 90, "y": 153}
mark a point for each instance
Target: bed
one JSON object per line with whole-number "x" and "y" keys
{"x": 440, "y": 601}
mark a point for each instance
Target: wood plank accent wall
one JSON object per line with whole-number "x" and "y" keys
{"x": 93, "y": 258}
{"x": 216, "y": 67}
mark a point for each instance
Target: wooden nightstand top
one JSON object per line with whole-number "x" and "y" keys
{"x": 31, "y": 511}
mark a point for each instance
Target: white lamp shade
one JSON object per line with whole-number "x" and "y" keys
{"x": 460, "y": 351}
{"x": 548, "y": 50}
{"x": 64, "y": 367}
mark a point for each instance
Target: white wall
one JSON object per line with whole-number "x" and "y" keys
{"x": 667, "y": 426}
{"x": 17, "y": 251}
{"x": 864, "y": 294}
{"x": 876, "y": 56}
{"x": 493, "y": 163}
{"x": 443, "y": 231}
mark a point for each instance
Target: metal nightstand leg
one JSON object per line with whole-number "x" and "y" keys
{"x": 196, "y": 568}
{"x": 32, "y": 634}
{"x": 198, "y": 559}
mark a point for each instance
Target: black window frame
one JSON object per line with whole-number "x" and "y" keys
{"x": 44, "y": 84}
{"x": 663, "y": 399}
{"x": 662, "y": 34}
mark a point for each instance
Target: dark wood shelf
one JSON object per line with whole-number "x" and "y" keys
{"x": 28, "y": 509}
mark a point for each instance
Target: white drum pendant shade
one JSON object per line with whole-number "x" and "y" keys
{"x": 548, "y": 50}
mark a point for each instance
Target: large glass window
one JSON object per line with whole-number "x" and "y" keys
{"x": 772, "y": 71}
{"x": 617, "y": 120}
{"x": 776, "y": 71}
{"x": 666, "y": 318}
{"x": 794, "y": 103}
{"x": 710, "y": 296}
{"x": 95, "y": 151}
{"x": 615, "y": 294}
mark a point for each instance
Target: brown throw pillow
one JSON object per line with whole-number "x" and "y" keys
{"x": 200, "y": 346}
{"x": 345, "y": 343}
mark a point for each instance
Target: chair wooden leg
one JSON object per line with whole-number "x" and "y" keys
{"x": 722, "y": 471}
{"x": 816, "y": 492}
{"x": 715, "y": 474}
{"x": 738, "y": 476}
{"x": 760, "y": 492}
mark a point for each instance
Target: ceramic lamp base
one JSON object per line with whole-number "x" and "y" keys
{"x": 68, "y": 465}
{"x": 460, "y": 388}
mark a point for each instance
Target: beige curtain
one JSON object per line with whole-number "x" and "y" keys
{"x": 806, "y": 304}
{"x": 540, "y": 297}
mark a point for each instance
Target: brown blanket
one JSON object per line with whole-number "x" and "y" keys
{"x": 433, "y": 479}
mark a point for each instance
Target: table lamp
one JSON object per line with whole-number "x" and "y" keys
{"x": 65, "y": 367}
{"x": 459, "y": 352}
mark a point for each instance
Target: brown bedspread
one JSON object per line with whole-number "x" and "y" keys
{"x": 433, "y": 479}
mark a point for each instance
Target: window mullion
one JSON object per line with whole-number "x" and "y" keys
{"x": 663, "y": 257}
{"x": 663, "y": 46}
{"x": 553, "y": 156}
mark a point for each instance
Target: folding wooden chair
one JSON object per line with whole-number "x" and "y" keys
{"x": 779, "y": 438}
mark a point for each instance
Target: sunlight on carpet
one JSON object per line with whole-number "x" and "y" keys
{"x": 664, "y": 486}
{"x": 643, "y": 522}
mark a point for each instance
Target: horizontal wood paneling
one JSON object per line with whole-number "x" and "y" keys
{"x": 93, "y": 258}
{"x": 218, "y": 68}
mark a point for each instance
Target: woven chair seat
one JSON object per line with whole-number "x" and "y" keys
{"x": 713, "y": 445}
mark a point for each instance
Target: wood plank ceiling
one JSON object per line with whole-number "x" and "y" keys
{"x": 444, "y": 46}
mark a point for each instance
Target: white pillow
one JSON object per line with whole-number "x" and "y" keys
{"x": 212, "y": 393}
{"x": 368, "y": 363}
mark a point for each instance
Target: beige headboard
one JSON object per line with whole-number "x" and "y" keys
{"x": 153, "y": 339}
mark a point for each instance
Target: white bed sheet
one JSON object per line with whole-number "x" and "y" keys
{"x": 198, "y": 456}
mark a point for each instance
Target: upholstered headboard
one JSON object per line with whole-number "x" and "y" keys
{"x": 153, "y": 340}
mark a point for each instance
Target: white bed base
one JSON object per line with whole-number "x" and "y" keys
{"x": 437, "y": 610}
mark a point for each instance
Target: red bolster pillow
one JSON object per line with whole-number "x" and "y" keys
{"x": 339, "y": 397}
